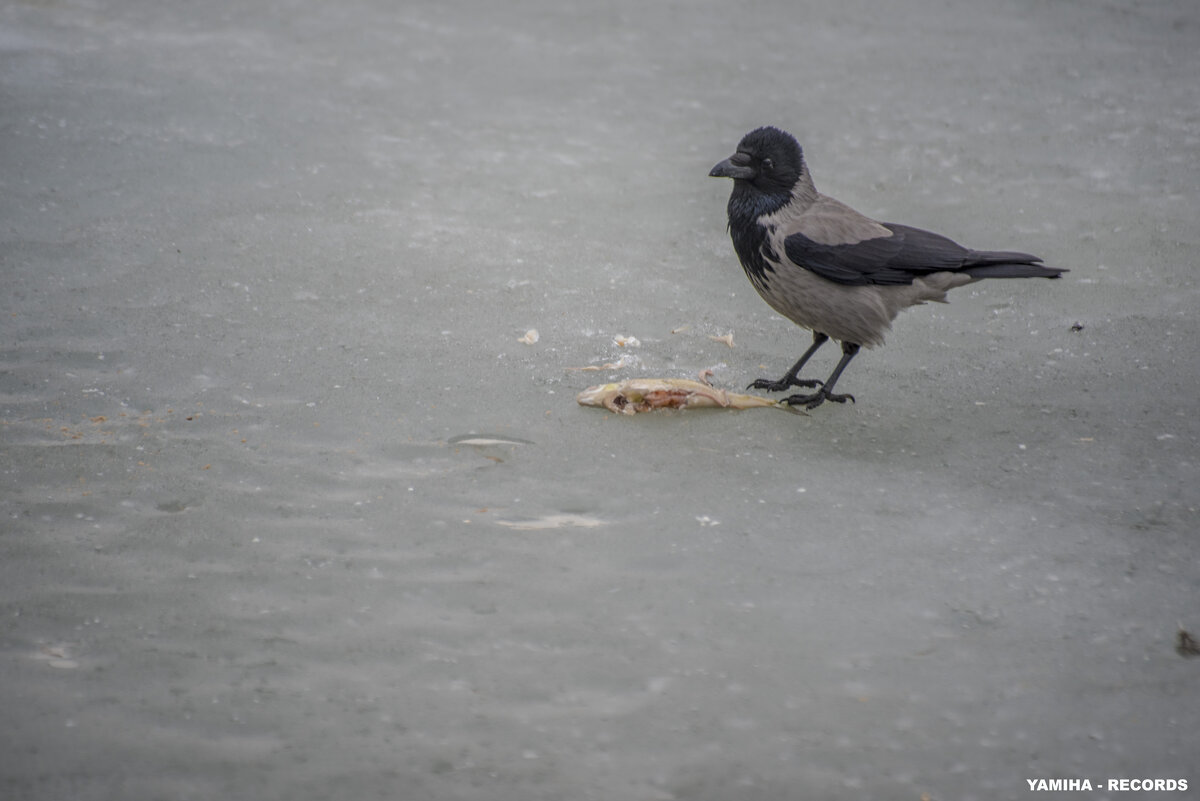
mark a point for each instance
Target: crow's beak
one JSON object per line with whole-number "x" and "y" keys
{"x": 730, "y": 169}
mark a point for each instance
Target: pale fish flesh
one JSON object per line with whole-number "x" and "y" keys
{"x": 647, "y": 394}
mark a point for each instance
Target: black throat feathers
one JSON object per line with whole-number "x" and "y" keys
{"x": 747, "y": 206}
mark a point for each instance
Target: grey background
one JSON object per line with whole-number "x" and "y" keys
{"x": 263, "y": 263}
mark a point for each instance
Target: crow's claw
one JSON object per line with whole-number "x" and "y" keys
{"x": 817, "y": 398}
{"x": 782, "y": 384}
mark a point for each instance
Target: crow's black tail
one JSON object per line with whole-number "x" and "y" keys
{"x": 1007, "y": 264}
{"x": 1013, "y": 271}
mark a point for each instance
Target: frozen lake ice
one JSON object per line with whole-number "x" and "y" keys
{"x": 266, "y": 270}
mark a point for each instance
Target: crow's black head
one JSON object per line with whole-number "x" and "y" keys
{"x": 768, "y": 173}
{"x": 767, "y": 160}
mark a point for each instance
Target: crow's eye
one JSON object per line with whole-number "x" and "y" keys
{"x": 767, "y": 164}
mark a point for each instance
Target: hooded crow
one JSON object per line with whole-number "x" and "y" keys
{"x": 834, "y": 271}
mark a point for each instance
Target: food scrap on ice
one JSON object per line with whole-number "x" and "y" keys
{"x": 647, "y": 394}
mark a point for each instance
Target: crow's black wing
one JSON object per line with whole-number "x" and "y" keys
{"x": 897, "y": 259}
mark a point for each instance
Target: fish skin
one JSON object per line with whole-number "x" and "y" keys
{"x": 647, "y": 394}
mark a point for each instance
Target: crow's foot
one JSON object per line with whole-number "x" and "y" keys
{"x": 783, "y": 383}
{"x": 817, "y": 398}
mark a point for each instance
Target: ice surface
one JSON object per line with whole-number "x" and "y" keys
{"x": 266, "y": 265}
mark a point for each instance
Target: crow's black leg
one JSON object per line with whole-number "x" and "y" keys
{"x": 790, "y": 379}
{"x": 849, "y": 351}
